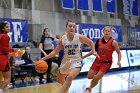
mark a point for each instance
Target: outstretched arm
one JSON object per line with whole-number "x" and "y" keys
{"x": 90, "y": 43}
{"x": 88, "y": 54}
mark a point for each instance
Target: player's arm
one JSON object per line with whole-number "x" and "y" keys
{"x": 90, "y": 43}
{"x": 54, "y": 52}
{"x": 88, "y": 54}
{"x": 117, "y": 49}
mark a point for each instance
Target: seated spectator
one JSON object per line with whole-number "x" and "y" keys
{"x": 26, "y": 56}
{"x": 28, "y": 62}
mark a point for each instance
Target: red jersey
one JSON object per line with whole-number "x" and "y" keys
{"x": 4, "y": 51}
{"x": 4, "y": 44}
{"x": 105, "y": 50}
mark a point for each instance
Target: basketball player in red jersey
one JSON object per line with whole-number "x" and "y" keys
{"x": 104, "y": 48}
{"x": 5, "y": 71}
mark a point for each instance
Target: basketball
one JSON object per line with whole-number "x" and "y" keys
{"x": 41, "y": 66}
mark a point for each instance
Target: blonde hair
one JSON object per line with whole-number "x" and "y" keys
{"x": 107, "y": 27}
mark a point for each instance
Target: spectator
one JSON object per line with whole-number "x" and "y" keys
{"x": 46, "y": 47}
{"x": 26, "y": 56}
{"x": 28, "y": 61}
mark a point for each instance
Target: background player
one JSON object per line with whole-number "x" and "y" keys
{"x": 104, "y": 47}
{"x": 4, "y": 56}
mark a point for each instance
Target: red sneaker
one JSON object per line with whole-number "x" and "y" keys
{"x": 87, "y": 90}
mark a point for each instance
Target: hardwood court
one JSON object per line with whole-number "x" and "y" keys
{"x": 113, "y": 82}
{"x": 44, "y": 88}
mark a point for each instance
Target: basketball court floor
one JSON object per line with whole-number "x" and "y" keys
{"x": 126, "y": 81}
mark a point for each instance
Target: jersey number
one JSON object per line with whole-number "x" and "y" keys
{"x": 103, "y": 52}
{"x": 71, "y": 52}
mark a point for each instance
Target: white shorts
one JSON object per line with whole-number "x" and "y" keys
{"x": 69, "y": 64}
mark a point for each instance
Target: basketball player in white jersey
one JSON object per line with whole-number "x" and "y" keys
{"x": 71, "y": 63}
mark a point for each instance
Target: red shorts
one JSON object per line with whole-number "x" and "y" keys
{"x": 4, "y": 63}
{"x": 101, "y": 66}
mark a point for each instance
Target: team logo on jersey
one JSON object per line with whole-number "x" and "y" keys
{"x": 71, "y": 46}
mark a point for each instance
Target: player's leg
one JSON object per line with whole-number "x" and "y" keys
{"x": 61, "y": 78}
{"x": 104, "y": 67}
{"x": 7, "y": 78}
{"x": 1, "y": 76}
{"x": 90, "y": 75}
{"x": 1, "y": 81}
{"x": 6, "y": 81}
{"x": 49, "y": 62}
{"x": 72, "y": 74}
{"x": 96, "y": 79}
{"x": 6, "y": 73}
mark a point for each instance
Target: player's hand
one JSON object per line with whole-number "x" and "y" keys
{"x": 119, "y": 64}
{"x": 10, "y": 54}
{"x": 82, "y": 57}
{"x": 95, "y": 54}
{"x": 42, "y": 59}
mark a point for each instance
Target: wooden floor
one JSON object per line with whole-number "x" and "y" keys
{"x": 44, "y": 88}
{"x": 55, "y": 88}
{"x": 113, "y": 82}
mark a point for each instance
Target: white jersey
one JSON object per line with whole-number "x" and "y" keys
{"x": 72, "y": 53}
{"x": 71, "y": 48}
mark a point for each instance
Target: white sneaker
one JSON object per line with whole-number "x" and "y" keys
{"x": 9, "y": 86}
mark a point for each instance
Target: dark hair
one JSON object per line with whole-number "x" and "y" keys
{"x": 45, "y": 30}
{"x": 2, "y": 25}
{"x": 26, "y": 47}
{"x": 68, "y": 22}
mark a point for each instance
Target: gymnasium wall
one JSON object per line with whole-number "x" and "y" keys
{"x": 49, "y": 13}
